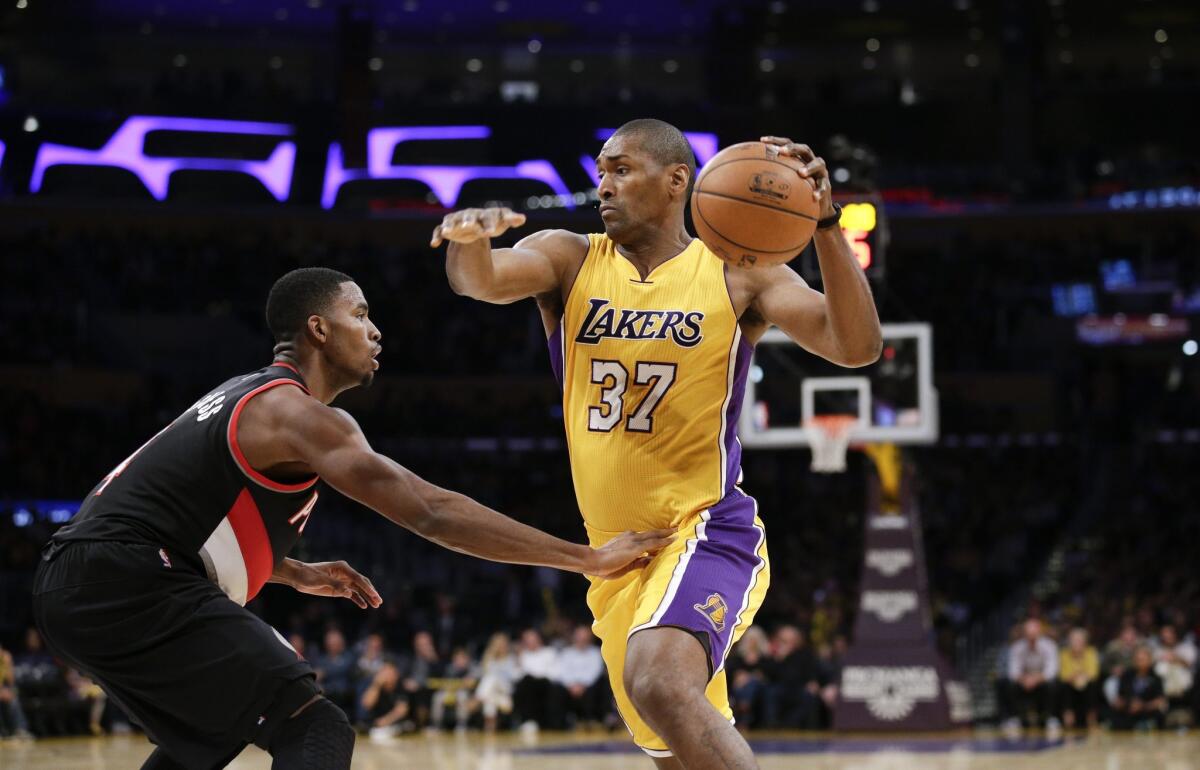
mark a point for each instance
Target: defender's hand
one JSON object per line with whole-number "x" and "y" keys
{"x": 336, "y": 578}
{"x": 470, "y": 225}
{"x": 814, "y": 169}
{"x": 627, "y": 551}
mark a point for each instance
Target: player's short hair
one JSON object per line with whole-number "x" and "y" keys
{"x": 665, "y": 143}
{"x": 298, "y": 295}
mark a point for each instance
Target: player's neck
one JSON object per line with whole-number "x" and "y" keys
{"x": 318, "y": 381}
{"x": 655, "y": 245}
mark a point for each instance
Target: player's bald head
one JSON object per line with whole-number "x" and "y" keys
{"x": 661, "y": 141}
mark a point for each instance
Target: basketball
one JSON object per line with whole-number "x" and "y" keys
{"x": 752, "y": 207}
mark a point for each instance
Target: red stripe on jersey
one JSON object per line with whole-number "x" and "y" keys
{"x": 236, "y": 450}
{"x": 253, "y": 542}
{"x": 286, "y": 365}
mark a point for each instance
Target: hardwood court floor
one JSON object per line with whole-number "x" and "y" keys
{"x": 977, "y": 751}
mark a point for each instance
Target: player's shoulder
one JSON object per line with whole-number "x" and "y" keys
{"x": 556, "y": 244}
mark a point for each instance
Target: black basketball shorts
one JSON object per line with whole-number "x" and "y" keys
{"x": 196, "y": 671}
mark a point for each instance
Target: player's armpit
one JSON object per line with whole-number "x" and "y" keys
{"x": 536, "y": 265}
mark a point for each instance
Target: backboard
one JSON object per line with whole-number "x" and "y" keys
{"x": 893, "y": 399}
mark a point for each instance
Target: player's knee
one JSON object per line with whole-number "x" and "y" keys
{"x": 653, "y": 690}
{"x": 318, "y": 738}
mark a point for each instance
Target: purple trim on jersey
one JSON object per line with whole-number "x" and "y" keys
{"x": 733, "y": 447}
{"x": 556, "y": 354}
{"x": 718, "y": 575}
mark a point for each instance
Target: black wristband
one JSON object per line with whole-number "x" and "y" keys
{"x": 831, "y": 220}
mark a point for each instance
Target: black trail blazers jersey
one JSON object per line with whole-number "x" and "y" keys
{"x": 190, "y": 491}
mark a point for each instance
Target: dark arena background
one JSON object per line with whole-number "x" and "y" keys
{"x": 1020, "y": 181}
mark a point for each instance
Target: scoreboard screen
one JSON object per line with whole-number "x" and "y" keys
{"x": 865, "y": 227}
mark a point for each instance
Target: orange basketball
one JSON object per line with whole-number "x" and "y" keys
{"x": 751, "y": 206}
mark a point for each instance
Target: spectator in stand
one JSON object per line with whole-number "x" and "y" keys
{"x": 384, "y": 703}
{"x": 1079, "y": 674}
{"x": 581, "y": 672}
{"x": 370, "y": 660}
{"x": 43, "y": 687}
{"x": 454, "y": 687}
{"x": 1032, "y": 673}
{"x": 450, "y": 628}
{"x": 793, "y": 692}
{"x": 89, "y": 698}
{"x": 746, "y": 670}
{"x": 298, "y": 644}
{"x": 1118, "y": 657}
{"x": 538, "y": 697}
{"x": 1141, "y": 702}
{"x": 335, "y": 671}
{"x": 831, "y": 677}
{"x": 499, "y": 672}
{"x": 1175, "y": 662}
{"x": 426, "y": 664}
{"x": 12, "y": 717}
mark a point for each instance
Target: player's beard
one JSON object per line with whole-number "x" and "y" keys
{"x": 367, "y": 379}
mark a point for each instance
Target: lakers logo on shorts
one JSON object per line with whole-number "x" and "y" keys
{"x": 715, "y": 610}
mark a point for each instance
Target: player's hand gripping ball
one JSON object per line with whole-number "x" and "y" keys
{"x": 758, "y": 203}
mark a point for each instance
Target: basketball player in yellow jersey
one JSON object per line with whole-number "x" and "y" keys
{"x": 650, "y": 335}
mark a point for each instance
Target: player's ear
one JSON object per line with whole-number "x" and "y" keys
{"x": 317, "y": 329}
{"x": 680, "y": 175}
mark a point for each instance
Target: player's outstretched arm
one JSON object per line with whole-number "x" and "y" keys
{"x": 500, "y": 276}
{"x": 329, "y": 442}
{"x": 842, "y": 324}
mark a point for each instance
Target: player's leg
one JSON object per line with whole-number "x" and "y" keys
{"x": 666, "y": 676}
{"x": 316, "y": 736}
{"x": 668, "y": 763}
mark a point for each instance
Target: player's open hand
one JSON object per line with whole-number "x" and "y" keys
{"x": 336, "y": 578}
{"x": 470, "y": 225}
{"x": 627, "y": 552}
{"x": 814, "y": 169}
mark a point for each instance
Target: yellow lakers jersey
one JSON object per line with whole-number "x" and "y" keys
{"x": 653, "y": 373}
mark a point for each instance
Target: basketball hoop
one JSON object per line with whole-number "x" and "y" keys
{"x": 829, "y": 438}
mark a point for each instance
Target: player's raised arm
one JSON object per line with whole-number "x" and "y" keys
{"x": 840, "y": 325}
{"x": 534, "y": 266}
{"x": 329, "y": 442}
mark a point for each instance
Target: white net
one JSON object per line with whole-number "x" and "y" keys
{"x": 829, "y": 438}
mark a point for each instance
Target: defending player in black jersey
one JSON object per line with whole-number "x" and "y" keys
{"x": 144, "y": 589}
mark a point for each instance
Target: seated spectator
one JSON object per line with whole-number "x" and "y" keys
{"x": 12, "y": 717}
{"x": 829, "y": 663}
{"x": 581, "y": 672}
{"x": 453, "y": 688}
{"x": 384, "y": 703}
{"x": 335, "y": 671}
{"x": 746, "y": 671}
{"x": 1118, "y": 658}
{"x": 426, "y": 664}
{"x": 792, "y": 695}
{"x": 43, "y": 687}
{"x": 299, "y": 644}
{"x": 1032, "y": 672}
{"x": 1141, "y": 702}
{"x": 1079, "y": 674}
{"x": 370, "y": 660}
{"x": 538, "y": 697}
{"x": 499, "y": 672}
{"x": 89, "y": 698}
{"x": 1175, "y": 662}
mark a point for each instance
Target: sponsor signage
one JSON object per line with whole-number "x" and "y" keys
{"x": 889, "y": 606}
{"x": 890, "y": 692}
{"x": 889, "y": 562}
